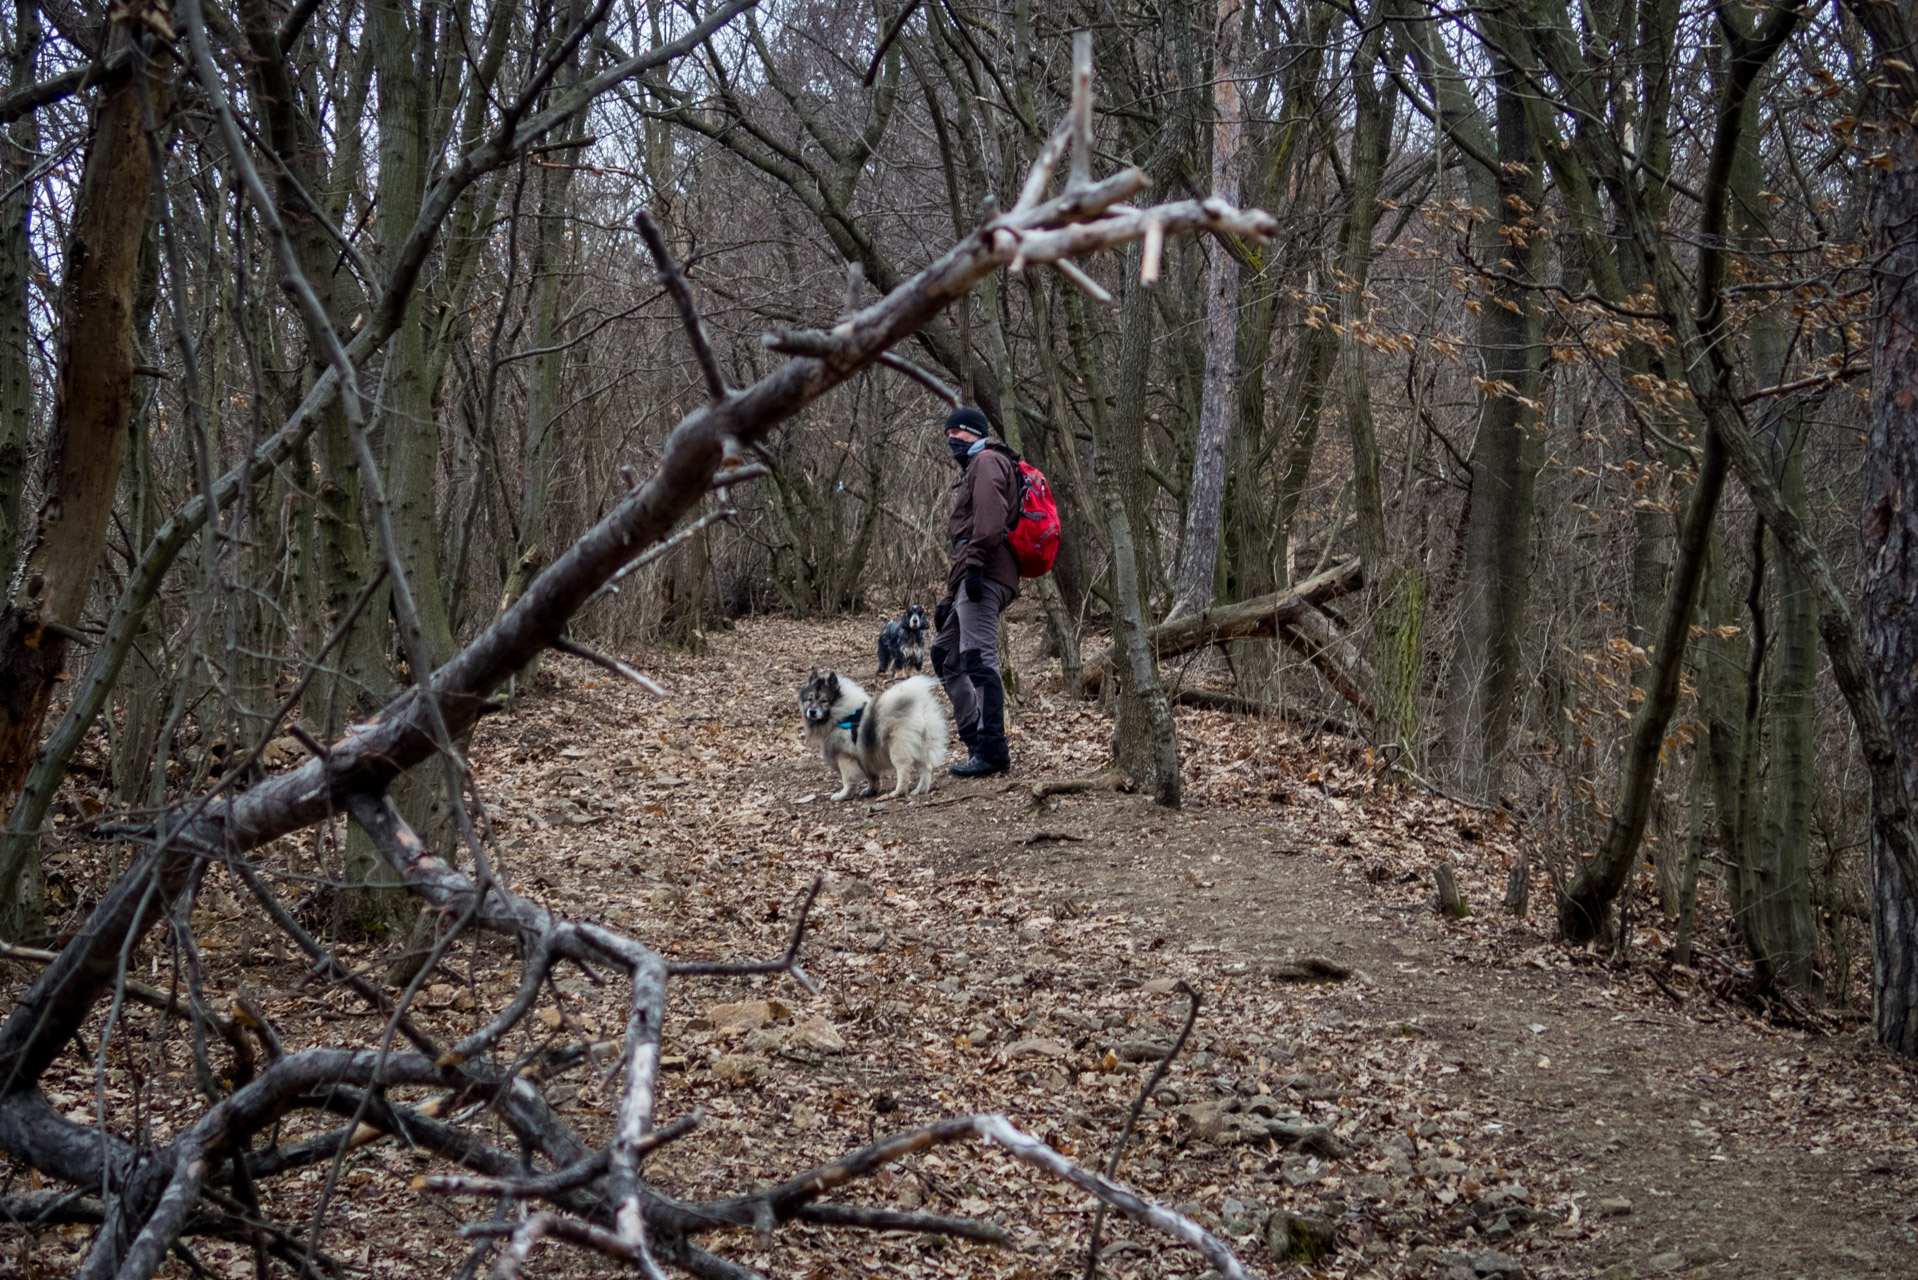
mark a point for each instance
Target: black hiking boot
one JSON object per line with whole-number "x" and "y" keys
{"x": 987, "y": 740}
{"x": 983, "y": 766}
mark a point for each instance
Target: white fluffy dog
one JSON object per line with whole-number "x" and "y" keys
{"x": 861, "y": 736}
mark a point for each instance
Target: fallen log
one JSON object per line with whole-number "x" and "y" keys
{"x": 1111, "y": 780}
{"x": 1290, "y": 616}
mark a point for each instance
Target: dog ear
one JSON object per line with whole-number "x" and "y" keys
{"x": 832, "y": 683}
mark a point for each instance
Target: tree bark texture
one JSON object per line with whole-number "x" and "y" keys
{"x": 92, "y": 393}
{"x": 1507, "y": 452}
{"x": 16, "y": 265}
{"x": 410, "y": 426}
{"x": 1888, "y": 541}
{"x": 1775, "y": 913}
{"x": 1145, "y": 740}
{"x": 1218, "y": 406}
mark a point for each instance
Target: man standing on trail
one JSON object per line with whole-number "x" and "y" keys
{"x": 983, "y": 580}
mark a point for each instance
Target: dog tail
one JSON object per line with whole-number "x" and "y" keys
{"x": 932, "y": 717}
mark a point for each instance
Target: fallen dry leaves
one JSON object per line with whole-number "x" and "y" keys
{"x": 955, "y": 977}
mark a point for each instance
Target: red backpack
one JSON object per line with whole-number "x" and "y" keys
{"x": 1035, "y": 530}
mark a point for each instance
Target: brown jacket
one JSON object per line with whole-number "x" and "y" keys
{"x": 981, "y": 519}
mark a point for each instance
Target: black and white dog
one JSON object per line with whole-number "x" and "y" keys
{"x": 904, "y": 641}
{"x": 861, "y": 736}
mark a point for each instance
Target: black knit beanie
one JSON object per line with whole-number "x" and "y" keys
{"x": 969, "y": 420}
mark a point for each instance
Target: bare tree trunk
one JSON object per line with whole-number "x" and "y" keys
{"x": 372, "y": 902}
{"x": 16, "y": 265}
{"x": 140, "y": 699}
{"x": 1694, "y": 856}
{"x": 1205, "y": 496}
{"x": 1585, "y": 910}
{"x": 544, "y": 400}
{"x": 1145, "y": 742}
{"x": 1306, "y": 401}
{"x": 1888, "y": 540}
{"x": 1507, "y": 452}
{"x": 1371, "y": 143}
{"x": 91, "y": 398}
{"x": 406, "y": 70}
{"x": 1397, "y": 595}
{"x": 302, "y": 172}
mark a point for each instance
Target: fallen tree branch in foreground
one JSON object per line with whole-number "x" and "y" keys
{"x": 1291, "y": 616}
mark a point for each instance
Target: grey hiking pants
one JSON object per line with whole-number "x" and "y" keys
{"x": 967, "y": 645}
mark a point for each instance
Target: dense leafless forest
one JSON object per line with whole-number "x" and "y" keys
{"x": 1524, "y": 387}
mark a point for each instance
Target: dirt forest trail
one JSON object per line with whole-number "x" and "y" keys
{"x": 1430, "y": 1098}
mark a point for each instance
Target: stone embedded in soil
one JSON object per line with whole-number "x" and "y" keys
{"x": 1703, "y": 1255}
{"x": 1041, "y": 1046}
{"x": 1142, "y": 1050}
{"x": 816, "y": 1035}
{"x": 1490, "y": 1264}
{"x": 1612, "y": 1207}
{"x": 740, "y": 1069}
{"x": 1300, "y": 1237}
{"x": 1303, "y": 1171}
{"x": 1666, "y": 1261}
{"x": 761, "y": 1040}
{"x": 1311, "y": 969}
{"x": 754, "y": 1013}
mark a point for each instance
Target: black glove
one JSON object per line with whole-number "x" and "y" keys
{"x": 939, "y": 616}
{"x": 975, "y": 583}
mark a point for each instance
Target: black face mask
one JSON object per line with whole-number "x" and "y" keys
{"x": 960, "y": 449}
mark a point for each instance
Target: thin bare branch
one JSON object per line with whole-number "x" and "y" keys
{"x": 845, "y": 1215}
{"x": 892, "y": 31}
{"x": 681, "y": 293}
{"x": 1132, "y": 1118}
{"x": 788, "y": 963}
{"x": 1087, "y": 285}
{"x": 624, "y": 670}
{"x": 893, "y": 360}
{"x": 1081, "y": 111}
